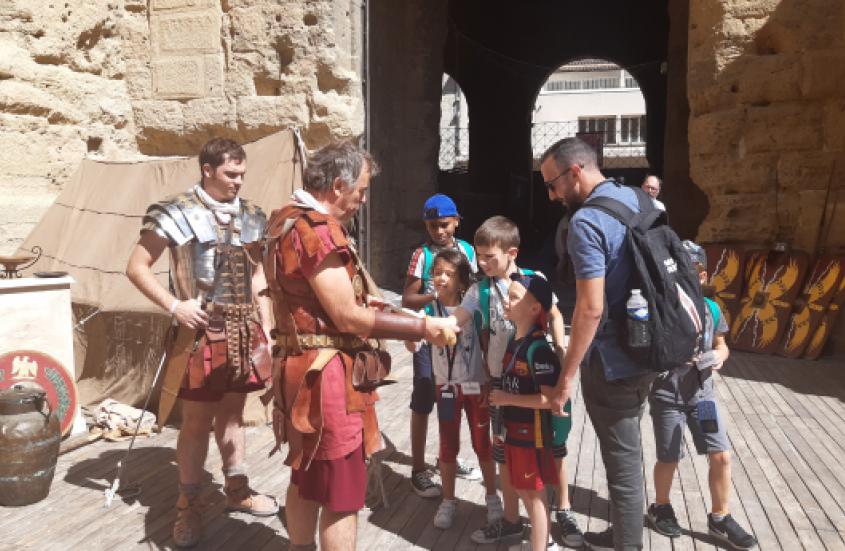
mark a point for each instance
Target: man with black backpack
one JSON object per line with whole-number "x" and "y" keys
{"x": 619, "y": 243}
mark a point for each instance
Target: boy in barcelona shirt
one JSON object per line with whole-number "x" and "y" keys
{"x": 530, "y": 372}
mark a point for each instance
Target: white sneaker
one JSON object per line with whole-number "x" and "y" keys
{"x": 495, "y": 511}
{"x": 445, "y": 514}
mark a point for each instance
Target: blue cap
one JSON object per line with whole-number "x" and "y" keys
{"x": 537, "y": 285}
{"x": 439, "y": 206}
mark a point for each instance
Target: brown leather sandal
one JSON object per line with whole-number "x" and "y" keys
{"x": 187, "y": 530}
{"x": 240, "y": 497}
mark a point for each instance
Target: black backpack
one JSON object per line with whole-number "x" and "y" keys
{"x": 661, "y": 266}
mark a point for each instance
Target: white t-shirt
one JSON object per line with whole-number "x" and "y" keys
{"x": 658, "y": 204}
{"x": 468, "y": 366}
{"x": 501, "y": 330}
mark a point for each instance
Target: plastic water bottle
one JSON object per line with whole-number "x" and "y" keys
{"x": 639, "y": 335}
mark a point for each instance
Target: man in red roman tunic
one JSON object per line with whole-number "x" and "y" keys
{"x": 324, "y": 345}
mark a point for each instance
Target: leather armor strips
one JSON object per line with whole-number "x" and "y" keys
{"x": 307, "y": 339}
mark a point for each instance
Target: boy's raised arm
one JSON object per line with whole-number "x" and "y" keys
{"x": 539, "y": 400}
{"x": 411, "y": 297}
{"x": 461, "y": 316}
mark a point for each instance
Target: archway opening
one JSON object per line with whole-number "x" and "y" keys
{"x": 454, "y": 127}
{"x": 600, "y": 102}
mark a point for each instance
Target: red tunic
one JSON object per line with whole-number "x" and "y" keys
{"x": 341, "y": 430}
{"x": 331, "y": 417}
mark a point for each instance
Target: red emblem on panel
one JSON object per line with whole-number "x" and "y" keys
{"x": 28, "y": 367}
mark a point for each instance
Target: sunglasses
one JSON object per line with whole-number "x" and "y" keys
{"x": 550, "y": 184}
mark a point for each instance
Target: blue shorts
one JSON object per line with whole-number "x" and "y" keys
{"x": 423, "y": 394}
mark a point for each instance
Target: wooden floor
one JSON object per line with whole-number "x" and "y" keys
{"x": 786, "y": 425}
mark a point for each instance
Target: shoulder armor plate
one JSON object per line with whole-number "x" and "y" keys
{"x": 181, "y": 218}
{"x": 253, "y": 224}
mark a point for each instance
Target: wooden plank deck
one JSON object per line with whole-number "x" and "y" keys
{"x": 786, "y": 425}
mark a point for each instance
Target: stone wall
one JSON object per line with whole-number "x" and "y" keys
{"x": 767, "y": 122}
{"x": 766, "y": 89}
{"x": 120, "y": 79}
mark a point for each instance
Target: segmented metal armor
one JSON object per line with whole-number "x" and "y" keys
{"x": 210, "y": 262}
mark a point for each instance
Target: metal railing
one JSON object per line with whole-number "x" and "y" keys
{"x": 454, "y": 148}
{"x": 622, "y": 146}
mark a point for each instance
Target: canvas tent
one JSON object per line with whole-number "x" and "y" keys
{"x": 90, "y": 231}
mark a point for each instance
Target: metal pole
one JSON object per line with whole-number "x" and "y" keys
{"x": 364, "y": 218}
{"x": 111, "y": 491}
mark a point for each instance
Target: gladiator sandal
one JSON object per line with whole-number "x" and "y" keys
{"x": 187, "y": 530}
{"x": 240, "y": 497}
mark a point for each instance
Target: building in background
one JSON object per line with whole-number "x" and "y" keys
{"x": 593, "y": 97}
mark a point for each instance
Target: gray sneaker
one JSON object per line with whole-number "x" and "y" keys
{"x": 599, "y": 541}
{"x": 730, "y": 532}
{"x": 498, "y": 530}
{"x": 569, "y": 532}
{"x": 463, "y": 469}
{"x": 663, "y": 520}
{"x": 423, "y": 486}
{"x": 526, "y": 546}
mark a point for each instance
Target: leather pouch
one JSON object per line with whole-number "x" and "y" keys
{"x": 260, "y": 356}
{"x": 370, "y": 369}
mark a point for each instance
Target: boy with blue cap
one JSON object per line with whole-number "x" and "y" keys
{"x": 441, "y": 218}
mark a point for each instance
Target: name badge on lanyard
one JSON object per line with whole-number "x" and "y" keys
{"x": 471, "y": 388}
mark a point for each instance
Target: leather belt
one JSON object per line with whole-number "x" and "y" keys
{"x": 236, "y": 310}
{"x": 340, "y": 342}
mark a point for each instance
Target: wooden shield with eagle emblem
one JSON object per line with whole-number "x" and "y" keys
{"x": 724, "y": 270}
{"x": 811, "y": 306}
{"x": 822, "y": 332}
{"x": 772, "y": 283}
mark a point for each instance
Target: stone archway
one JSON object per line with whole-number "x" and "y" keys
{"x": 501, "y": 54}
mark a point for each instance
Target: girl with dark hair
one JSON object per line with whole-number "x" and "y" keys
{"x": 460, "y": 378}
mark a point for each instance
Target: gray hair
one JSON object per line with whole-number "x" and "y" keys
{"x": 571, "y": 151}
{"x": 656, "y": 177}
{"x": 343, "y": 160}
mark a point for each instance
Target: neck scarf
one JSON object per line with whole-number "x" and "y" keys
{"x": 305, "y": 199}
{"x": 222, "y": 211}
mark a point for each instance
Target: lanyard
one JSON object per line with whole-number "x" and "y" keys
{"x": 451, "y": 351}
{"x": 495, "y": 284}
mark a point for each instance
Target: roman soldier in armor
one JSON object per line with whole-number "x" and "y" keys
{"x": 218, "y": 351}
{"x": 327, "y": 359}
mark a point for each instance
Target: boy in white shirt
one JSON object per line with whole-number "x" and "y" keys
{"x": 497, "y": 244}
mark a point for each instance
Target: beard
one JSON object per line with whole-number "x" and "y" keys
{"x": 572, "y": 203}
